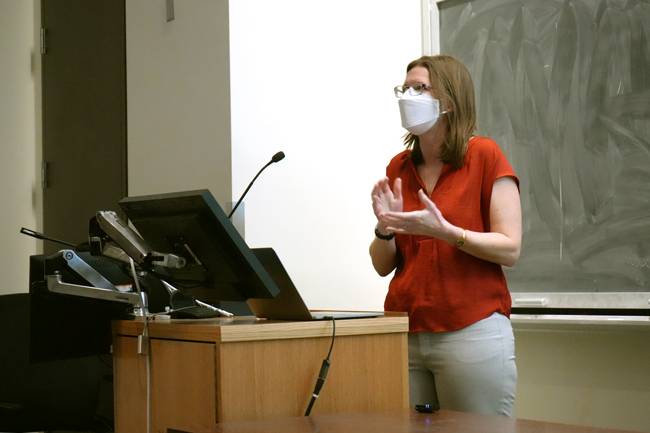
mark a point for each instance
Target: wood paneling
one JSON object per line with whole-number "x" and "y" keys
{"x": 276, "y": 378}
{"x": 183, "y": 383}
{"x": 181, "y": 372}
{"x": 251, "y": 329}
{"x": 242, "y": 369}
{"x": 129, "y": 385}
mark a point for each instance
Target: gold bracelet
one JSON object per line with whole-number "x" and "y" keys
{"x": 460, "y": 242}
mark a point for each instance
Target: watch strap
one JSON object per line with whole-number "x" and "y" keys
{"x": 387, "y": 237}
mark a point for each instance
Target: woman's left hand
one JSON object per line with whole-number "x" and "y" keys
{"x": 426, "y": 222}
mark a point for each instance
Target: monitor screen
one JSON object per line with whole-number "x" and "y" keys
{"x": 220, "y": 266}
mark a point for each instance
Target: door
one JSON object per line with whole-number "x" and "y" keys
{"x": 84, "y": 114}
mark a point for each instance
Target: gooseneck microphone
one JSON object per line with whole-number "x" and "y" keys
{"x": 277, "y": 157}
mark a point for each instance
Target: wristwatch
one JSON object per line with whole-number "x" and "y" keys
{"x": 387, "y": 237}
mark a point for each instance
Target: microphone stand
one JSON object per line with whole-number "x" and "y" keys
{"x": 277, "y": 157}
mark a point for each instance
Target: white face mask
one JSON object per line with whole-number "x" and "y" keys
{"x": 419, "y": 113}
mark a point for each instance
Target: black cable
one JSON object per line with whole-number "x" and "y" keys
{"x": 323, "y": 371}
{"x": 108, "y": 425}
{"x": 104, "y": 362}
{"x": 333, "y": 335}
{"x": 174, "y": 310}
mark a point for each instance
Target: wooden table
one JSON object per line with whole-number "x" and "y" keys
{"x": 218, "y": 370}
{"x": 395, "y": 421}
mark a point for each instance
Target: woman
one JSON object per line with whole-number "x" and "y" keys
{"x": 451, "y": 219}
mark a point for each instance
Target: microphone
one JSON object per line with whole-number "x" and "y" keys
{"x": 276, "y": 158}
{"x": 41, "y": 236}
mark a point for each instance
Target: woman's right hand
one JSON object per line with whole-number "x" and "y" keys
{"x": 385, "y": 200}
{"x": 383, "y": 253}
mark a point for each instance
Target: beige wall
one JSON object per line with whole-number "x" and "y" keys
{"x": 597, "y": 378}
{"x": 178, "y": 91}
{"x": 20, "y": 205}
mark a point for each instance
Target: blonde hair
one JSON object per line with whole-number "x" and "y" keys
{"x": 452, "y": 84}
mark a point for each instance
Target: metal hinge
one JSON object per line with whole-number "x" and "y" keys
{"x": 44, "y": 174}
{"x": 43, "y": 47}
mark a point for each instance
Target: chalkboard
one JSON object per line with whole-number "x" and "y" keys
{"x": 564, "y": 88}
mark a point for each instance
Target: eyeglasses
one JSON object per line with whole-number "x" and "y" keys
{"x": 414, "y": 90}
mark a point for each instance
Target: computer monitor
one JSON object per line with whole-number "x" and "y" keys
{"x": 220, "y": 266}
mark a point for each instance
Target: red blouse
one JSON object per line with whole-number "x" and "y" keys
{"x": 441, "y": 287}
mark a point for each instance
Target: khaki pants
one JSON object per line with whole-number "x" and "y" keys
{"x": 469, "y": 370}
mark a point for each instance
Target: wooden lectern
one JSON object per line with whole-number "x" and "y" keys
{"x": 217, "y": 370}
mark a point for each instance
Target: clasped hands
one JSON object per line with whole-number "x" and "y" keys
{"x": 388, "y": 204}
